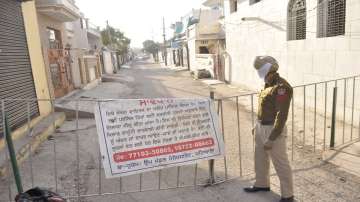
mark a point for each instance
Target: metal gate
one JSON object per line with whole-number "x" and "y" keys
{"x": 16, "y": 79}
{"x": 70, "y": 162}
{"x": 60, "y": 71}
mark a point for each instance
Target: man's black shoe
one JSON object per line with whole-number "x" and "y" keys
{"x": 256, "y": 189}
{"x": 290, "y": 199}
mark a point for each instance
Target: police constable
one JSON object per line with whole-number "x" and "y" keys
{"x": 270, "y": 131}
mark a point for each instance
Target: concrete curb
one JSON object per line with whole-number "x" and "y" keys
{"x": 20, "y": 132}
{"x": 23, "y": 153}
{"x": 71, "y": 113}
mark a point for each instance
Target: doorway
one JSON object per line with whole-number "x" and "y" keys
{"x": 59, "y": 64}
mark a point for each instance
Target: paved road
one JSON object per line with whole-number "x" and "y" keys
{"x": 315, "y": 181}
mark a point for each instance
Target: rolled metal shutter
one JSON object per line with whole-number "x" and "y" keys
{"x": 16, "y": 78}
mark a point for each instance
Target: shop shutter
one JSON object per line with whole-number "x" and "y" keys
{"x": 16, "y": 79}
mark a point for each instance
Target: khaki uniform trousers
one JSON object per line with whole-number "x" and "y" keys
{"x": 279, "y": 157}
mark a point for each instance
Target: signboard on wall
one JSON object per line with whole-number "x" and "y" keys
{"x": 141, "y": 135}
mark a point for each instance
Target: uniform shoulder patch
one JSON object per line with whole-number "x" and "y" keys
{"x": 281, "y": 91}
{"x": 281, "y": 94}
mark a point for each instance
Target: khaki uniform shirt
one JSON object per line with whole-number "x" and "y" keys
{"x": 274, "y": 103}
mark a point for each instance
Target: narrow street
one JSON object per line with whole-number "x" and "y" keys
{"x": 314, "y": 180}
{"x": 94, "y": 90}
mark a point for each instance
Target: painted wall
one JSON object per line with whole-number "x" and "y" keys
{"x": 208, "y": 27}
{"x": 44, "y": 23}
{"x": 209, "y": 21}
{"x": 303, "y": 61}
{"x": 212, "y": 45}
{"x": 79, "y": 43}
{"x": 36, "y": 57}
{"x": 205, "y": 33}
{"x": 94, "y": 42}
{"x": 80, "y": 35}
{"x": 108, "y": 65}
{"x": 205, "y": 61}
{"x": 192, "y": 53}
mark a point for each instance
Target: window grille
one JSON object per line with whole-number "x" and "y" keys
{"x": 296, "y": 20}
{"x": 331, "y": 18}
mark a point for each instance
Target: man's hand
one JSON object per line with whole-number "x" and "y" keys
{"x": 253, "y": 131}
{"x": 268, "y": 145}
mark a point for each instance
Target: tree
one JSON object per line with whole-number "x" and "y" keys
{"x": 153, "y": 48}
{"x": 116, "y": 39}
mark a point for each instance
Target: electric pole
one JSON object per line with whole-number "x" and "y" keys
{"x": 165, "y": 47}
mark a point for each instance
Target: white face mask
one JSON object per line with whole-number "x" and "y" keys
{"x": 264, "y": 70}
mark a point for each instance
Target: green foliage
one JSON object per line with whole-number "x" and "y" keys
{"x": 151, "y": 47}
{"x": 116, "y": 39}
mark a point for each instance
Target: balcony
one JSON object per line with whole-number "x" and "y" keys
{"x": 60, "y": 10}
{"x": 213, "y": 30}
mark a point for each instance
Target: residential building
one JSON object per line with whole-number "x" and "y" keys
{"x": 93, "y": 62}
{"x": 205, "y": 39}
{"x": 313, "y": 40}
{"x": 71, "y": 47}
{"x": 94, "y": 37}
{"x": 95, "y": 53}
{"x": 76, "y": 32}
{"x": 86, "y": 47}
{"x": 177, "y": 46}
{"x": 57, "y": 42}
{"x": 22, "y": 68}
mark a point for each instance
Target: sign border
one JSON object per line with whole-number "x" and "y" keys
{"x": 160, "y": 166}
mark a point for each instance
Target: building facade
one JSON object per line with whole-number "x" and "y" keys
{"x": 70, "y": 46}
{"x": 77, "y": 35}
{"x": 53, "y": 16}
{"x": 313, "y": 40}
{"x": 86, "y": 52}
{"x": 22, "y": 68}
{"x": 93, "y": 58}
{"x": 199, "y": 40}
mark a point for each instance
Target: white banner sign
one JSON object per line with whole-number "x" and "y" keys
{"x": 136, "y": 136}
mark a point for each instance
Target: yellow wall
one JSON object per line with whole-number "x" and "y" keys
{"x": 36, "y": 57}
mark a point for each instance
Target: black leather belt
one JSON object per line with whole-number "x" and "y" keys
{"x": 266, "y": 123}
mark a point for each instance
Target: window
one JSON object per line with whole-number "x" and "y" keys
{"x": 254, "y": 1}
{"x": 296, "y": 22}
{"x": 331, "y": 18}
{"x": 54, "y": 37}
{"x": 233, "y": 6}
{"x": 204, "y": 50}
